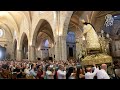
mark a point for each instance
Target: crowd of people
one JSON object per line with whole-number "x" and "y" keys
{"x": 48, "y": 69}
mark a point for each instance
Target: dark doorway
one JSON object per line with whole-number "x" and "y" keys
{"x": 70, "y": 51}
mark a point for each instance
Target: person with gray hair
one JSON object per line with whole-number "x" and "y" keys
{"x": 102, "y": 74}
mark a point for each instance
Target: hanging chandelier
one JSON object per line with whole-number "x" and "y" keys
{"x": 109, "y": 20}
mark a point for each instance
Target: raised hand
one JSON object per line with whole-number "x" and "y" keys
{"x": 94, "y": 65}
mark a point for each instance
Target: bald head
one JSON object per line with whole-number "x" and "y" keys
{"x": 89, "y": 69}
{"x": 104, "y": 66}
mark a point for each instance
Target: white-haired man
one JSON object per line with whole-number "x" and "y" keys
{"x": 102, "y": 74}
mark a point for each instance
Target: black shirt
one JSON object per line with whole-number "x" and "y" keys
{"x": 18, "y": 75}
{"x": 5, "y": 66}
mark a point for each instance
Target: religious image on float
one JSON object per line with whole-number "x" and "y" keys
{"x": 93, "y": 47}
{"x": 59, "y": 45}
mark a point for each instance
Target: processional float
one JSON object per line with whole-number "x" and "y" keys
{"x": 96, "y": 47}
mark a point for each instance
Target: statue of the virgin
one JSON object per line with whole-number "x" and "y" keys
{"x": 91, "y": 36}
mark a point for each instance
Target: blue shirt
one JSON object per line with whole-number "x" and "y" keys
{"x": 32, "y": 72}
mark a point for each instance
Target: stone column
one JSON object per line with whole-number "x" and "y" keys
{"x": 63, "y": 48}
{"x": 57, "y": 48}
{"x": 19, "y": 55}
{"x": 32, "y": 53}
{"x": 60, "y": 48}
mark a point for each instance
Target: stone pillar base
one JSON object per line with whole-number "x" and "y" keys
{"x": 31, "y": 53}
{"x": 19, "y": 55}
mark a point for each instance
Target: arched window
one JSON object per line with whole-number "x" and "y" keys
{"x": 71, "y": 37}
{"x": 46, "y": 43}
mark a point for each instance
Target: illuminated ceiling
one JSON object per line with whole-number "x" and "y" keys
{"x": 12, "y": 19}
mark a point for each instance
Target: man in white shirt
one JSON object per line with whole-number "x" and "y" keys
{"x": 102, "y": 74}
{"x": 89, "y": 74}
{"x": 61, "y": 73}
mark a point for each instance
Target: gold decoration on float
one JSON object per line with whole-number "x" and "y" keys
{"x": 93, "y": 47}
{"x": 96, "y": 59}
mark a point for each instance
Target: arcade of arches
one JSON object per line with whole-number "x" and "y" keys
{"x": 58, "y": 35}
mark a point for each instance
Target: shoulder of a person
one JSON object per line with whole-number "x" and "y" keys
{"x": 47, "y": 71}
{"x": 58, "y": 70}
{"x": 101, "y": 71}
{"x": 86, "y": 73}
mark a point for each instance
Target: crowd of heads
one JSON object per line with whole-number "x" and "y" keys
{"x": 47, "y": 69}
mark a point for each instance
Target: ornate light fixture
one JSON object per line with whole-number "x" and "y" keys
{"x": 109, "y": 20}
{"x": 105, "y": 40}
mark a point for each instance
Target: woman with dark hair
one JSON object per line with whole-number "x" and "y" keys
{"x": 71, "y": 73}
{"x": 40, "y": 72}
{"x": 80, "y": 73}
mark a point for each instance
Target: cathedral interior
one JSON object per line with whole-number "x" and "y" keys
{"x": 29, "y": 35}
{"x": 91, "y": 37}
